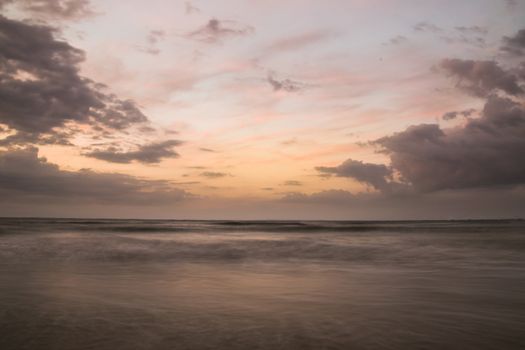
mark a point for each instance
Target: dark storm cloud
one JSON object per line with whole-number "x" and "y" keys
{"x": 25, "y": 176}
{"x": 285, "y": 84}
{"x": 486, "y": 152}
{"x": 214, "y": 174}
{"x": 375, "y": 175}
{"x": 148, "y": 153}
{"x": 53, "y": 9}
{"x": 41, "y": 89}
{"x": 480, "y": 78}
{"x": 515, "y": 44}
{"x": 454, "y": 114}
{"x": 216, "y": 30}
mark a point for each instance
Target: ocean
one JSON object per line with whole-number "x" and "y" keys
{"x": 160, "y": 284}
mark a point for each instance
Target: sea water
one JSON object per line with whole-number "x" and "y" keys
{"x": 146, "y": 284}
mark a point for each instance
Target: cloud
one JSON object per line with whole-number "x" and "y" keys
{"x": 397, "y": 40}
{"x": 486, "y": 152}
{"x": 54, "y": 9}
{"x": 483, "y": 153}
{"x": 375, "y": 175}
{"x": 30, "y": 185}
{"x": 457, "y": 204}
{"x": 189, "y": 8}
{"x": 289, "y": 142}
{"x": 196, "y": 167}
{"x": 209, "y": 150}
{"x": 455, "y": 114}
{"x": 520, "y": 71}
{"x": 285, "y": 84}
{"x": 182, "y": 183}
{"x": 41, "y": 90}
{"x": 325, "y": 197}
{"x": 472, "y": 30}
{"x": 427, "y": 27}
{"x": 216, "y": 30}
{"x": 25, "y": 176}
{"x": 153, "y": 38}
{"x": 515, "y": 44}
{"x": 465, "y": 38}
{"x": 470, "y": 35}
{"x": 480, "y": 78}
{"x": 214, "y": 174}
{"x": 61, "y": 137}
{"x": 299, "y": 41}
{"x": 292, "y": 183}
{"x": 148, "y": 153}
{"x": 511, "y": 4}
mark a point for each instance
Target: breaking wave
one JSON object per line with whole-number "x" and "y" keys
{"x": 444, "y": 242}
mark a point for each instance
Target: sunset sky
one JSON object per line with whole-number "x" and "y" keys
{"x": 262, "y": 109}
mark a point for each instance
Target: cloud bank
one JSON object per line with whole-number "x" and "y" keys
{"x": 24, "y": 177}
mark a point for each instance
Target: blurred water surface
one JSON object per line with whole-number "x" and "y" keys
{"x": 145, "y": 284}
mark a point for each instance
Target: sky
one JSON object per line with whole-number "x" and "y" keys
{"x": 263, "y": 109}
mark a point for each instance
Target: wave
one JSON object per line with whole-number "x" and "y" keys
{"x": 19, "y": 225}
{"x": 452, "y": 243}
